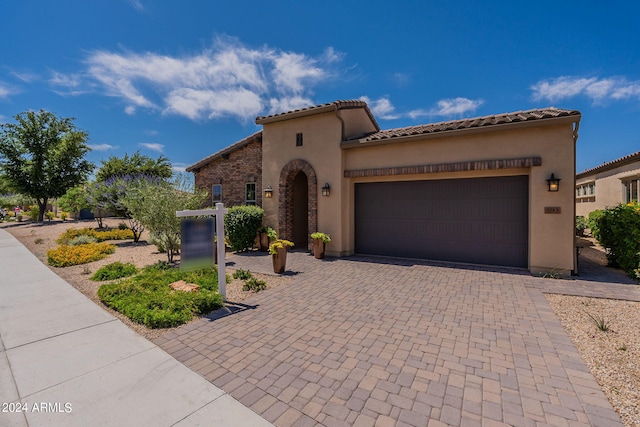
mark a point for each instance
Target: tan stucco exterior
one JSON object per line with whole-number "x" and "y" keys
{"x": 607, "y": 183}
{"x": 342, "y": 146}
{"x": 551, "y": 236}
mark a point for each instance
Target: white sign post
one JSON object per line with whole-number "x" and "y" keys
{"x": 217, "y": 213}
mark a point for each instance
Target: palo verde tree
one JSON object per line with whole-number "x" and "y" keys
{"x": 42, "y": 156}
{"x": 136, "y": 164}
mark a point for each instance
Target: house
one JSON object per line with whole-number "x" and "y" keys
{"x": 608, "y": 185}
{"x": 473, "y": 190}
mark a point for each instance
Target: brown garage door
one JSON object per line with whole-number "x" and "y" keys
{"x": 479, "y": 220}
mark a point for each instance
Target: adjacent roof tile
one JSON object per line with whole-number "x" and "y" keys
{"x": 476, "y": 122}
{"x": 630, "y": 158}
{"x": 339, "y": 105}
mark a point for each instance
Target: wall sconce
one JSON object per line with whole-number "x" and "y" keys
{"x": 553, "y": 183}
{"x": 268, "y": 192}
{"x": 326, "y": 190}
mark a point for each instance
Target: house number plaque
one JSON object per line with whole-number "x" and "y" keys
{"x": 552, "y": 209}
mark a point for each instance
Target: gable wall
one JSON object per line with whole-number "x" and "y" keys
{"x": 243, "y": 165}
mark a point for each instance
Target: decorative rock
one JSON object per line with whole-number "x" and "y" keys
{"x": 181, "y": 285}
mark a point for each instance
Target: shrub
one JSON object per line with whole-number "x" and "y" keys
{"x": 65, "y": 255}
{"x": 277, "y": 244}
{"x": 618, "y": 231}
{"x": 254, "y": 285}
{"x": 322, "y": 236}
{"x": 148, "y": 299}
{"x": 242, "y": 224}
{"x": 82, "y": 239}
{"x": 33, "y": 212}
{"x": 122, "y": 226}
{"x": 581, "y": 225}
{"x": 63, "y": 216}
{"x": 50, "y": 215}
{"x": 592, "y": 221}
{"x": 99, "y": 235}
{"x": 242, "y": 274}
{"x": 115, "y": 270}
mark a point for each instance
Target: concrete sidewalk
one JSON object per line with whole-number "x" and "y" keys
{"x": 64, "y": 361}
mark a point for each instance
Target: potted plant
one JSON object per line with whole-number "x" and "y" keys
{"x": 319, "y": 242}
{"x": 278, "y": 251}
{"x": 266, "y": 236}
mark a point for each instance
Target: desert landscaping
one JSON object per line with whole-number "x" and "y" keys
{"x": 606, "y": 332}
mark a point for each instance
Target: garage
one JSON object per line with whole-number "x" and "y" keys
{"x": 471, "y": 220}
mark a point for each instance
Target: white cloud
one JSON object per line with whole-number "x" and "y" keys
{"x": 381, "y": 108}
{"x": 4, "y": 91}
{"x": 228, "y": 79}
{"x": 615, "y": 88}
{"x": 137, "y": 5}
{"x": 449, "y": 107}
{"x": 25, "y": 76}
{"x": 152, "y": 146}
{"x": 179, "y": 167}
{"x": 280, "y": 105}
{"x": 102, "y": 147}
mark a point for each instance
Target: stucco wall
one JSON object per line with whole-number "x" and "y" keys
{"x": 233, "y": 172}
{"x": 608, "y": 188}
{"x": 551, "y": 236}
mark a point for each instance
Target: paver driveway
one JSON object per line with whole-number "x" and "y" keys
{"x": 367, "y": 341}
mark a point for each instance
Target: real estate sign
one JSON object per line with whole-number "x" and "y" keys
{"x": 196, "y": 249}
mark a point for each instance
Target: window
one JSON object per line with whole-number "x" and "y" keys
{"x": 216, "y": 193}
{"x": 631, "y": 187}
{"x": 250, "y": 193}
{"x": 298, "y": 140}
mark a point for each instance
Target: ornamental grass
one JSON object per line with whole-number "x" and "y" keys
{"x": 65, "y": 255}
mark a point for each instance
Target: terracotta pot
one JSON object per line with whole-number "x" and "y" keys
{"x": 279, "y": 260}
{"x": 264, "y": 242}
{"x": 318, "y": 248}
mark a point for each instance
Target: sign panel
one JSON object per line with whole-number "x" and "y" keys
{"x": 196, "y": 248}
{"x": 552, "y": 209}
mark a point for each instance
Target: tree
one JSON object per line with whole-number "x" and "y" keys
{"x": 137, "y": 164}
{"x": 154, "y": 204}
{"x": 42, "y": 156}
{"x": 74, "y": 200}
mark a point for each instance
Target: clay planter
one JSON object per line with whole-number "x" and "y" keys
{"x": 318, "y": 248}
{"x": 264, "y": 242}
{"x": 279, "y": 260}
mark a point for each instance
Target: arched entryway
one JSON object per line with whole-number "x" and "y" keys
{"x": 300, "y": 214}
{"x": 298, "y": 203}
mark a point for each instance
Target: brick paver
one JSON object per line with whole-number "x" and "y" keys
{"x": 381, "y": 342}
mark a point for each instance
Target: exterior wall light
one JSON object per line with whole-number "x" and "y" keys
{"x": 553, "y": 183}
{"x": 268, "y": 192}
{"x": 326, "y": 190}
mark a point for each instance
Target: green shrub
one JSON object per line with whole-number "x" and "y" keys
{"x": 242, "y": 274}
{"x": 122, "y": 226}
{"x": 65, "y": 255}
{"x": 50, "y": 215}
{"x": 148, "y": 299}
{"x": 254, "y": 285}
{"x": 593, "y": 219}
{"x": 33, "y": 212}
{"x": 115, "y": 270}
{"x": 618, "y": 231}
{"x": 242, "y": 224}
{"x": 322, "y": 236}
{"x": 581, "y": 225}
{"x": 158, "y": 266}
{"x": 63, "y": 216}
{"x": 82, "y": 239}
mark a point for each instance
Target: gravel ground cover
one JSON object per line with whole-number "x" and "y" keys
{"x": 612, "y": 356}
{"x": 40, "y": 237}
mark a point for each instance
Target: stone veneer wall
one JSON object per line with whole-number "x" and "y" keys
{"x": 233, "y": 171}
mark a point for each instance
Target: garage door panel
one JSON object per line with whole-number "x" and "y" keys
{"x": 481, "y": 220}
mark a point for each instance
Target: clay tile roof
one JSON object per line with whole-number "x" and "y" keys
{"x": 630, "y": 158}
{"x": 317, "y": 109}
{"x": 226, "y": 150}
{"x": 476, "y": 122}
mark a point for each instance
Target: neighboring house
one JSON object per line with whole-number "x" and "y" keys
{"x": 608, "y": 185}
{"x": 472, "y": 190}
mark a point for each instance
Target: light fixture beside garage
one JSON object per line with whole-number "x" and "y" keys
{"x": 326, "y": 190}
{"x": 553, "y": 183}
{"x": 268, "y": 192}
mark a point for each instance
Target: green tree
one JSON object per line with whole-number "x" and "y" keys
{"x": 137, "y": 164}
{"x": 74, "y": 200}
{"x": 154, "y": 204}
{"x": 42, "y": 156}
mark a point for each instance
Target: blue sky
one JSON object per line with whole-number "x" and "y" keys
{"x": 187, "y": 78}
